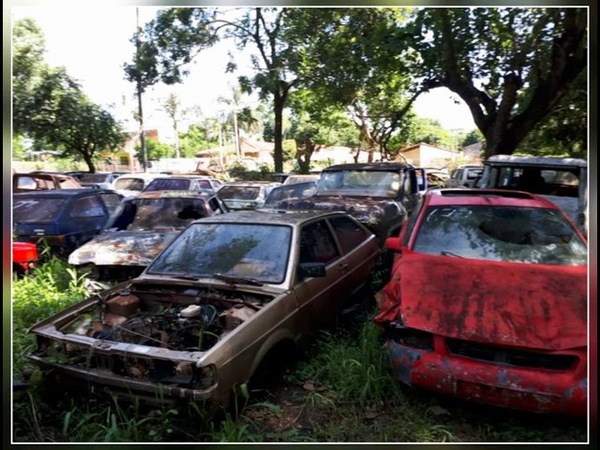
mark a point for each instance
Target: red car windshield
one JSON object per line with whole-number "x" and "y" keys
{"x": 512, "y": 234}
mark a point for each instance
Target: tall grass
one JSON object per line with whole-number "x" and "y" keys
{"x": 357, "y": 368}
{"x": 48, "y": 289}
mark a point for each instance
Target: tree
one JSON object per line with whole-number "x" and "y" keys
{"x": 370, "y": 80}
{"x": 565, "y": 131}
{"x": 155, "y": 150}
{"x": 317, "y": 124}
{"x": 172, "y": 107}
{"x": 28, "y": 47}
{"x": 63, "y": 117}
{"x": 178, "y": 34}
{"x": 200, "y": 136}
{"x": 429, "y": 131}
{"x": 511, "y": 66}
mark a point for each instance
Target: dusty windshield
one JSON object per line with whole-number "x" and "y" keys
{"x": 239, "y": 192}
{"x": 361, "y": 183}
{"x": 255, "y": 251}
{"x": 514, "y": 234}
{"x": 129, "y": 184}
{"x": 161, "y": 213}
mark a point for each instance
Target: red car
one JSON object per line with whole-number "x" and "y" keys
{"x": 488, "y": 301}
{"x": 25, "y": 256}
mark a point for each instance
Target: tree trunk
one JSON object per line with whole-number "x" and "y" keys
{"x": 278, "y": 104}
{"x": 89, "y": 162}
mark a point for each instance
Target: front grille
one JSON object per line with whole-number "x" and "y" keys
{"x": 511, "y": 357}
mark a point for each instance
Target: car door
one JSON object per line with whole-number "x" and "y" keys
{"x": 85, "y": 218}
{"x": 320, "y": 298}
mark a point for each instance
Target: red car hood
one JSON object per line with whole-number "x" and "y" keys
{"x": 516, "y": 304}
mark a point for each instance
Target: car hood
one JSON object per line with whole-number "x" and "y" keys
{"x": 516, "y": 304}
{"x": 368, "y": 210}
{"x": 127, "y": 248}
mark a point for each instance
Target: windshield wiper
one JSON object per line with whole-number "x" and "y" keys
{"x": 233, "y": 280}
{"x": 178, "y": 275}
{"x": 447, "y": 253}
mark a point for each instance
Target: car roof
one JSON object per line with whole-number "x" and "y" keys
{"x": 143, "y": 175}
{"x": 536, "y": 160}
{"x": 202, "y": 195}
{"x": 268, "y": 216}
{"x": 251, "y": 183}
{"x": 380, "y": 166}
{"x": 476, "y": 196}
{"x": 65, "y": 193}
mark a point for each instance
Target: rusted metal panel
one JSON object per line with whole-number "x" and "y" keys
{"x": 530, "y": 305}
{"x": 512, "y": 387}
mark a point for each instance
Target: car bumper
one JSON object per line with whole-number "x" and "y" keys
{"x": 526, "y": 389}
{"x": 113, "y": 384}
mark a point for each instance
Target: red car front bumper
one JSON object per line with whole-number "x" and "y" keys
{"x": 523, "y": 388}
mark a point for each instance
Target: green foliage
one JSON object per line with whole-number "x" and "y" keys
{"x": 472, "y": 137}
{"x": 429, "y": 131}
{"x": 28, "y": 47}
{"x": 564, "y": 131}
{"x": 199, "y": 136}
{"x": 155, "y": 150}
{"x": 511, "y": 66}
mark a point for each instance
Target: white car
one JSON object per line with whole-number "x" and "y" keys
{"x": 131, "y": 184}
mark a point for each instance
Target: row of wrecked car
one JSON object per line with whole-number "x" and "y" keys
{"x": 487, "y": 298}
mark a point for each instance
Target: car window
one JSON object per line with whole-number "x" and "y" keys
{"x": 25, "y": 182}
{"x": 130, "y": 184}
{"x": 69, "y": 183}
{"x": 412, "y": 219}
{"x": 350, "y": 234}
{"x": 360, "y": 183}
{"x": 36, "y": 210}
{"x": 239, "y": 192}
{"x": 168, "y": 184}
{"x": 500, "y": 233}
{"x": 111, "y": 201}
{"x": 204, "y": 185}
{"x": 89, "y": 206}
{"x": 317, "y": 244}
{"x": 172, "y": 212}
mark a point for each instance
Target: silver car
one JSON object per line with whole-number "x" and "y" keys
{"x": 213, "y": 304}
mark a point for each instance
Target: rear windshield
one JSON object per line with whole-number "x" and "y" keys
{"x": 93, "y": 178}
{"x": 168, "y": 184}
{"x": 239, "y": 192}
{"x": 31, "y": 210}
{"x": 130, "y": 184}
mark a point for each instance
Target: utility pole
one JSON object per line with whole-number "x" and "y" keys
{"x": 140, "y": 91}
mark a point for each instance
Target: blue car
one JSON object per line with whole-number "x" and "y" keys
{"x": 63, "y": 218}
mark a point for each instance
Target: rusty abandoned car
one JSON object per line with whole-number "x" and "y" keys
{"x": 242, "y": 195}
{"x": 43, "y": 181}
{"x": 224, "y": 294}
{"x": 139, "y": 229}
{"x": 379, "y": 195}
{"x": 488, "y": 301}
{"x": 63, "y": 218}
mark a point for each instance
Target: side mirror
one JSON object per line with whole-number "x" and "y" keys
{"x": 312, "y": 270}
{"x": 394, "y": 244}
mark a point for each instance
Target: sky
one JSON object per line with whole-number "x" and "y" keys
{"x": 93, "y": 43}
